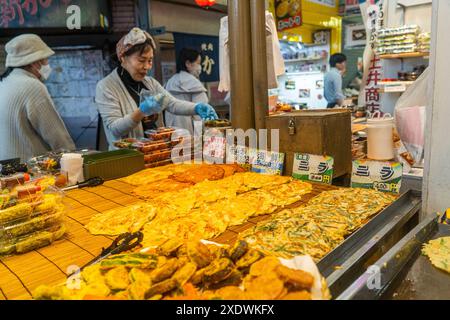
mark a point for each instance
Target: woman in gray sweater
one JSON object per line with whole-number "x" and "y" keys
{"x": 118, "y": 96}
{"x": 29, "y": 123}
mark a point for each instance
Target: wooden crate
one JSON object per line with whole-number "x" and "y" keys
{"x": 320, "y": 132}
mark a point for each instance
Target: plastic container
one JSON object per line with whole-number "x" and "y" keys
{"x": 31, "y": 223}
{"x": 158, "y": 164}
{"x": 33, "y": 241}
{"x": 157, "y": 156}
{"x": 380, "y": 142}
{"x": 146, "y": 146}
{"x": 161, "y": 134}
{"x": 113, "y": 165}
{"x": 72, "y": 164}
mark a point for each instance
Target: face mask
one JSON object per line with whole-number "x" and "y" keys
{"x": 196, "y": 70}
{"x": 45, "y": 71}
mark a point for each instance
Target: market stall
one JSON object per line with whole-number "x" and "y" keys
{"x": 118, "y": 206}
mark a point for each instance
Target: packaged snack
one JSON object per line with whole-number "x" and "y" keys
{"x": 30, "y": 221}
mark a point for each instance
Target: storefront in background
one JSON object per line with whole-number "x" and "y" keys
{"x": 310, "y": 31}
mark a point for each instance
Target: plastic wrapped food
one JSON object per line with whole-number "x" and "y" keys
{"x": 159, "y": 155}
{"x": 33, "y": 241}
{"x": 158, "y": 164}
{"x": 146, "y": 145}
{"x": 40, "y": 222}
{"x": 161, "y": 134}
{"x": 221, "y": 123}
{"x": 31, "y": 222}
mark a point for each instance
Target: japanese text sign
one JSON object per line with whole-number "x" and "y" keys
{"x": 314, "y": 168}
{"x": 378, "y": 175}
{"x": 208, "y": 46}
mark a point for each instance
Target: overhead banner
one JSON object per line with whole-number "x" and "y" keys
{"x": 288, "y": 14}
{"x": 209, "y": 48}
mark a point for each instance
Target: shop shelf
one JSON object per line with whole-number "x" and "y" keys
{"x": 405, "y": 55}
{"x": 304, "y": 59}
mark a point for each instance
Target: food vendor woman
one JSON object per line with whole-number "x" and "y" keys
{"x": 29, "y": 123}
{"x": 118, "y": 96}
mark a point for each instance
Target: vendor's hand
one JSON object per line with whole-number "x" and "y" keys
{"x": 152, "y": 105}
{"x": 206, "y": 112}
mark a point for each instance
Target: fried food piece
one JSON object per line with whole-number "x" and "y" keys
{"x": 298, "y": 279}
{"x": 121, "y": 220}
{"x": 267, "y": 287}
{"x": 239, "y": 249}
{"x": 234, "y": 279}
{"x": 218, "y": 270}
{"x": 137, "y": 275}
{"x": 218, "y": 252}
{"x": 198, "y": 276}
{"x": 154, "y": 189}
{"x": 300, "y": 295}
{"x": 248, "y": 259}
{"x": 199, "y": 253}
{"x": 161, "y": 288}
{"x": 164, "y": 272}
{"x": 92, "y": 274}
{"x": 133, "y": 260}
{"x": 438, "y": 251}
{"x": 182, "y": 251}
{"x": 231, "y": 169}
{"x": 169, "y": 247}
{"x": 117, "y": 278}
{"x": 183, "y": 275}
{"x": 265, "y": 265}
{"x": 230, "y": 293}
{"x": 200, "y": 174}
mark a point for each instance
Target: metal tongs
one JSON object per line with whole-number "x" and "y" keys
{"x": 94, "y": 182}
{"x": 445, "y": 219}
{"x": 123, "y": 243}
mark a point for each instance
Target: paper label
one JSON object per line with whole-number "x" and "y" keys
{"x": 313, "y": 168}
{"x": 378, "y": 175}
{"x": 267, "y": 162}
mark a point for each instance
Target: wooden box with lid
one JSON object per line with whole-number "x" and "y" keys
{"x": 319, "y": 132}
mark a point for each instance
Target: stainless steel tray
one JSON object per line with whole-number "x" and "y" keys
{"x": 404, "y": 273}
{"x": 351, "y": 259}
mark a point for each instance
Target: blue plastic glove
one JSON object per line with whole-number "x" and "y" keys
{"x": 206, "y": 112}
{"x": 152, "y": 105}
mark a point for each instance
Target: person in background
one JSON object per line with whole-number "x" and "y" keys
{"x": 186, "y": 85}
{"x": 118, "y": 96}
{"x": 29, "y": 123}
{"x": 333, "y": 80}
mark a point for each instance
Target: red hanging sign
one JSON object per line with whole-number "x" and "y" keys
{"x": 205, "y": 3}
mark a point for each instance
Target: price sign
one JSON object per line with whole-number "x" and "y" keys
{"x": 214, "y": 149}
{"x": 239, "y": 155}
{"x": 378, "y": 175}
{"x": 267, "y": 162}
{"x": 313, "y": 168}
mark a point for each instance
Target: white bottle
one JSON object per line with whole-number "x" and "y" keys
{"x": 380, "y": 141}
{"x": 72, "y": 164}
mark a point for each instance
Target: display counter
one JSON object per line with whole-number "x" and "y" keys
{"x": 20, "y": 275}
